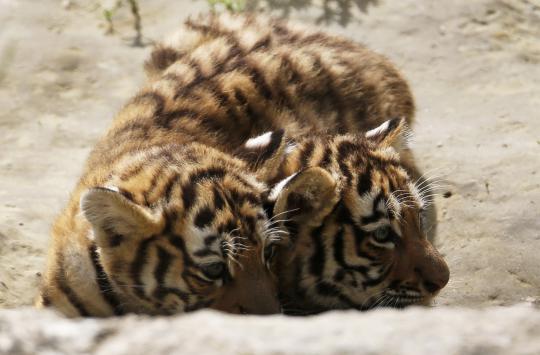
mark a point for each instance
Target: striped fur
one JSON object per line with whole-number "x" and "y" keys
{"x": 363, "y": 244}
{"x": 169, "y": 214}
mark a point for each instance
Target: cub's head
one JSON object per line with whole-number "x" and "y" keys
{"x": 178, "y": 229}
{"x": 355, "y": 218}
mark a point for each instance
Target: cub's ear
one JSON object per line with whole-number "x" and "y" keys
{"x": 306, "y": 197}
{"x": 112, "y": 215}
{"x": 265, "y": 153}
{"x": 392, "y": 133}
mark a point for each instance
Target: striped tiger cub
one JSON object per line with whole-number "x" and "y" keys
{"x": 242, "y": 172}
{"x": 364, "y": 242}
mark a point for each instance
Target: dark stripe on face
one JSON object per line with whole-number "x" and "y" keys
{"x": 205, "y": 252}
{"x": 327, "y": 289}
{"x": 359, "y": 237}
{"x": 178, "y": 242}
{"x": 376, "y": 215}
{"x": 376, "y": 281}
{"x": 198, "y": 305}
{"x": 219, "y": 202}
{"x": 365, "y": 183}
{"x": 339, "y": 256}
{"x": 318, "y": 258}
{"x": 189, "y": 188}
{"x": 164, "y": 262}
{"x": 61, "y": 282}
{"x": 105, "y": 287}
{"x": 113, "y": 237}
{"x": 204, "y": 217}
{"x": 171, "y": 182}
{"x": 137, "y": 267}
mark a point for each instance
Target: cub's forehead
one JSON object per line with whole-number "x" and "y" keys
{"x": 387, "y": 193}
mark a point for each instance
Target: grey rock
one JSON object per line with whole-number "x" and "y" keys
{"x": 495, "y": 330}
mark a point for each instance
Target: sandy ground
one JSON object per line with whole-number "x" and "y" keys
{"x": 474, "y": 67}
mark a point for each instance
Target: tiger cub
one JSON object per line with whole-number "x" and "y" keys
{"x": 170, "y": 214}
{"x": 358, "y": 213}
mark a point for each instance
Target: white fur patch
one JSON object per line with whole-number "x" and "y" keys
{"x": 378, "y": 130}
{"x": 112, "y": 188}
{"x": 90, "y": 235}
{"x": 258, "y": 142}
{"x": 277, "y": 189}
{"x": 291, "y": 147}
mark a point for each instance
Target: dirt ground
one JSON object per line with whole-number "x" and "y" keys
{"x": 474, "y": 67}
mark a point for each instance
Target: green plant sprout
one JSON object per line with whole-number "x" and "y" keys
{"x": 108, "y": 14}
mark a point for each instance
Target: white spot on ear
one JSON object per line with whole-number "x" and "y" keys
{"x": 280, "y": 185}
{"x": 258, "y": 142}
{"x": 112, "y": 188}
{"x": 291, "y": 147}
{"x": 378, "y": 130}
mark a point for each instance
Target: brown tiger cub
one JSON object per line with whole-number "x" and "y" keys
{"x": 364, "y": 242}
{"x": 169, "y": 213}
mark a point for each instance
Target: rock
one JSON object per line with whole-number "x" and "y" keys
{"x": 496, "y": 330}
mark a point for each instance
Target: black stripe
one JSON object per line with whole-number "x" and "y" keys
{"x": 61, "y": 282}
{"x": 45, "y": 300}
{"x": 359, "y": 237}
{"x": 105, "y": 287}
{"x": 326, "y": 158}
{"x": 264, "y": 43}
{"x": 204, "y": 217}
{"x": 134, "y": 170}
{"x": 327, "y": 289}
{"x": 166, "y": 119}
{"x": 273, "y": 145}
{"x": 189, "y": 188}
{"x": 164, "y": 262}
{"x": 137, "y": 266}
{"x": 219, "y": 202}
{"x": 346, "y": 149}
{"x": 198, "y": 305}
{"x": 376, "y": 281}
{"x": 240, "y": 97}
{"x": 168, "y": 188}
{"x": 365, "y": 182}
{"x": 318, "y": 259}
{"x": 156, "y": 98}
{"x": 260, "y": 82}
{"x": 201, "y": 253}
{"x": 376, "y": 215}
{"x": 339, "y": 248}
{"x": 306, "y": 153}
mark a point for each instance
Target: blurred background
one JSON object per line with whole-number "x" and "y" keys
{"x": 67, "y": 66}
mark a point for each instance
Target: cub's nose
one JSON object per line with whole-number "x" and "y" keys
{"x": 435, "y": 276}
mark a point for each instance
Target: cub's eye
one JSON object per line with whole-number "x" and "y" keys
{"x": 214, "y": 271}
{"x": 382, "y": 234}
{"x": 269, "y": 252}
